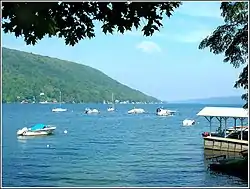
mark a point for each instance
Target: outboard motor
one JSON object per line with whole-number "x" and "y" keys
{"x": 158, "y": 110}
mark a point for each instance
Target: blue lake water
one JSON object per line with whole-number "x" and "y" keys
{"x": 109, "y": 149}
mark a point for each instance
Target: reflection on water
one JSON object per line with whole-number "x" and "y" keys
{"x": 212, "y": 153}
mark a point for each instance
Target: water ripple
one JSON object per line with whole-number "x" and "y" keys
{"x": 109, "y": 149}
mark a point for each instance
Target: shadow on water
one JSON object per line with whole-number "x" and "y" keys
{"x": 226, "y": 163}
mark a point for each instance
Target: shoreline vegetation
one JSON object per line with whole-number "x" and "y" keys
{"x": 29, "y": 78}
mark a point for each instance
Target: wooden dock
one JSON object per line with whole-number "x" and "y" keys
{"x": 225, "y": 144}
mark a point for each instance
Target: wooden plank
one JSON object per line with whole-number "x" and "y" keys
{"x": 226, "y": 139}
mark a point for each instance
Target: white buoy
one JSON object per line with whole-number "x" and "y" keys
{"x": 47, "y": 145}
{"x": 65, "y": 131}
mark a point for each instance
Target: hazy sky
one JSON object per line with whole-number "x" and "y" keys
{"x": 168, "y": 65}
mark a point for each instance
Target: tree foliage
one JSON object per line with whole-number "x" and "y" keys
{"x": 75, "y": 21}
{"x": 232, "y": 40}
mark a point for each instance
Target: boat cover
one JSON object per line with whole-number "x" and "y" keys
{"x": 37, "y": 127}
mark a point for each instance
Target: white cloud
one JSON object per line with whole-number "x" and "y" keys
{"x": 148, "y": 47}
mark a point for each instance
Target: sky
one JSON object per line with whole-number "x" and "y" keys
{"x": 168, "y": 65}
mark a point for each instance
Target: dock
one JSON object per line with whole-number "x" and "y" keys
{"x": 222, "y": 141}
{"x": 225, "y": 144}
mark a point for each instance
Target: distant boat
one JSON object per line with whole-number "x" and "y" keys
{"x": 188, "y": 122}
{"x": 60, "y": 109}
{"x": 91, "y": 111}
{"x": 24, "y": 102}
{"x": 111, "y": 109}
{"x": 164, "y": 112}
{"x": 44, "y": 102}
{"x": 36, "y": 130}
{"x": 136, "y": 111}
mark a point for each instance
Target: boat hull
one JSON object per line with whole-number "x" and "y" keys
{"x": 136, "y": 111}
{"x": 40, "y": 132}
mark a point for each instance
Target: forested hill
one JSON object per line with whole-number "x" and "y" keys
{"x": 26, "y": 75}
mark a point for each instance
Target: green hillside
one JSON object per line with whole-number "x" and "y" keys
{"x": 26, "y": 75}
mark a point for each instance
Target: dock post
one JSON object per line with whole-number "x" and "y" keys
{"x": 225, "y": 134}
{"x": 210, "y": 123}
{"x": 241, "y": 122}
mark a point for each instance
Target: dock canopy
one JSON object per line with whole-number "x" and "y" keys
{"x": 224, "y": 112}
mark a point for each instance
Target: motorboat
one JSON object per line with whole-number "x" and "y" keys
{"x": 111, "y": 109}
{"x": 59, "y": 110}
{"x": 36, "y": 130}
{"x": 188, "y": 122}
{"x": 164, "y": 112}
{"x": 91, "y": 111}
{"x": 136, "y": 111}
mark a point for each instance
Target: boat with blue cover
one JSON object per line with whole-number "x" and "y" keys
{"x": 36, "y": 130}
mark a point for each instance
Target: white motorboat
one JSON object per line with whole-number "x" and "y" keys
{"x": 110, "y": 109}
{"x": 60, "y": 109}
{"x": 91, "y": 111}
{"x": 136, "y": 111}
{"x": 36, "y": 130}
{"x": 164, "y": 112}
{"x": 188, "y": 122}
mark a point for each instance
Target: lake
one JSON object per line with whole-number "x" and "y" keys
{"x": 109, "y": 149}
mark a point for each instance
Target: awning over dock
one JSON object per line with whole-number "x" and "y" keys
{"x": 224, "y": 113}
{"x": 228, "y": 112}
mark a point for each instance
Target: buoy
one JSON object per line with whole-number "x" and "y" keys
{"x": 47, "y": 145}
{"x": 65, "y": 131}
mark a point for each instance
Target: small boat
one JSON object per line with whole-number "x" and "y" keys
{"x": 91, "y": 111}
{"x": 164, "y": 112}
{"x": 60, "y": 109}
{"x": 36, "y": 130}
{"x": 111, "y": 109}
{"x": 188, "y": 122}
{"x": 136, "y": 111}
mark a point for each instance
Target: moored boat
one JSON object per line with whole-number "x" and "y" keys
{"x": 111, "y": 109}
{"x": 36, "y": 130}
{"x": 164, "y": 112}
{"x": 60, "y": 109}
{"x": 136, "y": 111}
{"x": 91, "y": 111}
{"x": 188, "y": 122}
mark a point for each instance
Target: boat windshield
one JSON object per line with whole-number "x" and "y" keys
{"x": 37, "y": 127}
